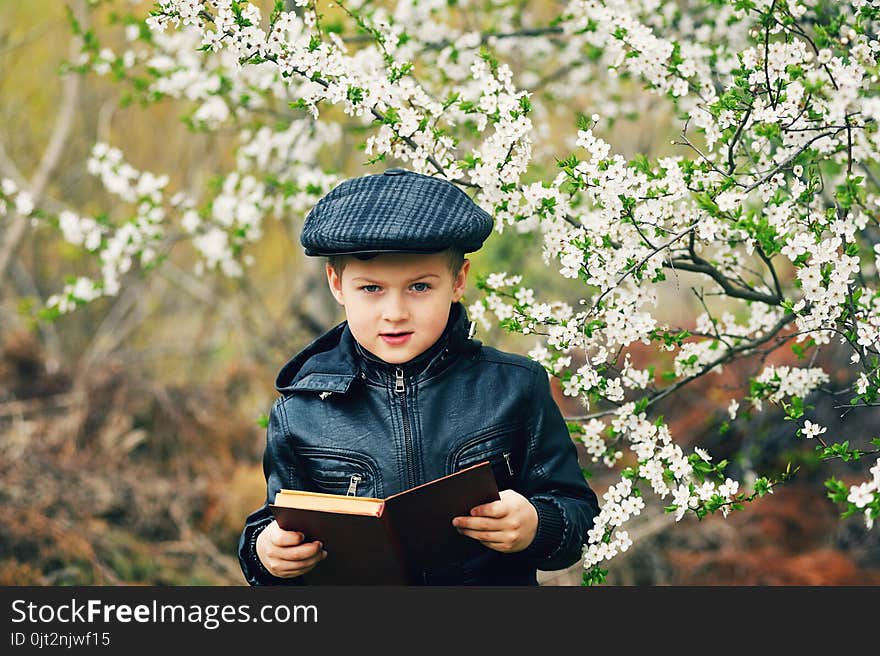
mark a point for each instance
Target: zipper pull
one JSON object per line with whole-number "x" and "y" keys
{"x": 507, "y": 460}
{"x": 398, "y": 386}
{"x": 352, "y": 485}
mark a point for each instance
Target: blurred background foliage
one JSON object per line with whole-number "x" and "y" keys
{"x": 130, "y": 430}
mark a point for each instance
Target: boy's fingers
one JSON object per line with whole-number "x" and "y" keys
{"x": 491, "y": 509}
{"x": 486, "y": 537}
{"x": 314, "y": 560}
{"x": 477, "y": 523}
{"x": 300, "y": 552}
{"x": 299, "y": 567}
{"x": 311, "y": 563}
{"x": 288, "y": 538}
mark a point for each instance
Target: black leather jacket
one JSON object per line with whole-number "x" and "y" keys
{"x": 344, "y": 413}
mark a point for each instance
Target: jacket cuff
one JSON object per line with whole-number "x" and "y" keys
{"x": 549, "y": 534}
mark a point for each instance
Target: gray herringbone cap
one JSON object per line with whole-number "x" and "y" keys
{"x": 397, "y": 211}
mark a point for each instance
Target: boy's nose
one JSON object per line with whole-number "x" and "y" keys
{"x": 395, "y": 309}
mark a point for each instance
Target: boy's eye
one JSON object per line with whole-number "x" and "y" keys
{"x": 370, "y": 288}
{"x": 421, "y": 286}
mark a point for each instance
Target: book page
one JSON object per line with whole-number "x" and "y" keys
{"x": 329, "y": 502}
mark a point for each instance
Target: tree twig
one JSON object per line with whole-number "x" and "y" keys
{"x": 51, "y": 156}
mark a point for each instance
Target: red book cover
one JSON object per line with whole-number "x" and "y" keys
{"x": 378, "y": 542}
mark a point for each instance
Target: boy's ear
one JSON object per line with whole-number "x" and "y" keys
{"x": 460, "y": 281}
{"x": 335, "y": 284}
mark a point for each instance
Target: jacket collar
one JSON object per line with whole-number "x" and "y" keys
{"x": 334, "y": 360}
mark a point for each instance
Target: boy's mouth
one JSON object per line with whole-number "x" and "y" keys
{"x": 395, "y": 338}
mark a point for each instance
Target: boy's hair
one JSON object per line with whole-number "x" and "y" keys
{"x": 454, "y": 260}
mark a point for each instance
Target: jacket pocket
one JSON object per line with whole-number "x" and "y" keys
{"x": 498, "y": 445}
{"x": 342, "y": 472}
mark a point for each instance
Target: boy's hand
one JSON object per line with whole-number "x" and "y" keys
{"x": 507, "y": 525}
{"x": 285, "y": 554}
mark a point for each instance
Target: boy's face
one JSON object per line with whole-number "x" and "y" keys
{"x": 397, "y": 304}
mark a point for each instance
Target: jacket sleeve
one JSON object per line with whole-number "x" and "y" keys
{"x": 280, "y": 470}
{"x": 554, "y": 483}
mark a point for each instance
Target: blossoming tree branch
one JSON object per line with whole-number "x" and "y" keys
{"x": 770, "y": 200}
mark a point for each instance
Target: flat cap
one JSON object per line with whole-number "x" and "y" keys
{"x": 397, "y": 211}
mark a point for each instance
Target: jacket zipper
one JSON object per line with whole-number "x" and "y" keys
{"x": 407, "y": 435}
{"x": 507, "y": 460}
{"x": 352, "y": 485}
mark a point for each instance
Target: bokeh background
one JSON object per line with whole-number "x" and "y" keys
{"x": 130, "y": 430}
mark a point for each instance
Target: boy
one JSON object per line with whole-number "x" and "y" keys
{"x": 399, "y": 394}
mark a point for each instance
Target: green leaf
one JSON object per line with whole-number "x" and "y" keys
{"x": 705, "y": 202}
{"x": 595, "y": 576}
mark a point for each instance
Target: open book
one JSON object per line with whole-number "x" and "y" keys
{"x": 383, "y": 541}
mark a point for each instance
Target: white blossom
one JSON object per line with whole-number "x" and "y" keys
{"x": 811, "y": 430}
